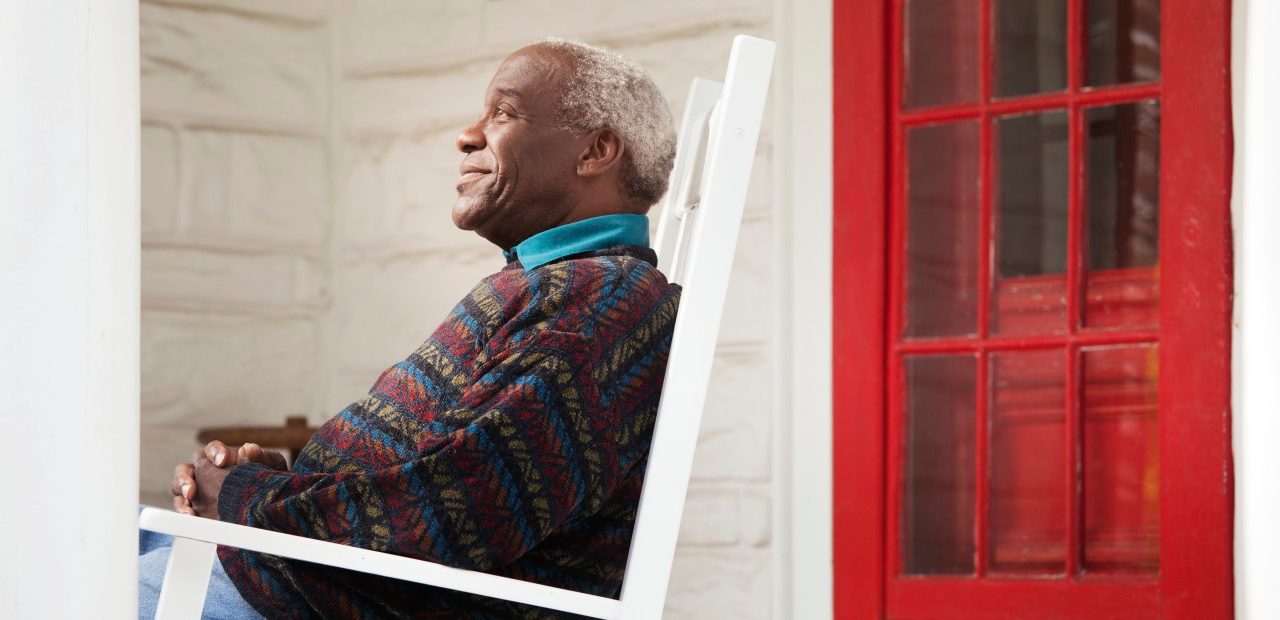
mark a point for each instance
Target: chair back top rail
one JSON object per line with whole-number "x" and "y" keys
{"x": 714, "y": 223}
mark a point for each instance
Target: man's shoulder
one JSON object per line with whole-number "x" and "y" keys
{"x": 581, "y": 289}
{"x": 613, "y": 274}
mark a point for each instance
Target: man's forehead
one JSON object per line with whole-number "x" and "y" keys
{"x": 510, "y": 92}
{"x": 528, "y": 71}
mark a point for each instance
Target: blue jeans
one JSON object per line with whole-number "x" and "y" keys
{"x": 223, "y": 602}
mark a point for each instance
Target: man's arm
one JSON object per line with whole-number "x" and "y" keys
{"x": 540, "y": 448}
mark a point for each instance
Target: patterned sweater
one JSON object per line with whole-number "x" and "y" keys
{"x": 513, "y": 441}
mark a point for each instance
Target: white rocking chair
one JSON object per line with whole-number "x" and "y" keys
{"x": 696, "y": 239}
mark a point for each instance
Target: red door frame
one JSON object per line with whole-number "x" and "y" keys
{"x": 1196, "y": 281}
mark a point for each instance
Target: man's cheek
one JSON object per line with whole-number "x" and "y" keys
{"x": 504, "y": 183}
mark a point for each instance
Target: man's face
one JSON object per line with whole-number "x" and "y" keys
{"x": 518, "y": 174}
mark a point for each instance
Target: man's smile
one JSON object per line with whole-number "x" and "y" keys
{"x": 469, "y": 174}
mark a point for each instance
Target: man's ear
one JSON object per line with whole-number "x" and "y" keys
{"x": 603, "y": 152}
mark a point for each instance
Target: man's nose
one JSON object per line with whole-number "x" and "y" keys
{"x": 471, "y": 138}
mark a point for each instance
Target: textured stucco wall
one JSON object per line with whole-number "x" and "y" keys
{"x": 236, "y": 220}
{"x": 298, "y": 173}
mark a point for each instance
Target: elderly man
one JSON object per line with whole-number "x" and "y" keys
{"x": 514, "y": 440}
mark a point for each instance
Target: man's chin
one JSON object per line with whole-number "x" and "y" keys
{"x": 467, "y": 213}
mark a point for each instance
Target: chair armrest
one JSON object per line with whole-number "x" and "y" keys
{"x": 365, "y": 561}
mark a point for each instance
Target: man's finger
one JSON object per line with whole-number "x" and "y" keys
{"x": 220, "y": 454}
{"x": 276, "y": 460}
{"x": 254, "y": 453}
{"x": 181, "y": 505}
{"x": 249, "y": 453}
{"x": 184, "y": 479}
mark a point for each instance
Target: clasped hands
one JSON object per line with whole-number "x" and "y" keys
{"x": 196, "y": 484}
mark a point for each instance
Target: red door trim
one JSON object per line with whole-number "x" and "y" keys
{"x": 1196, "y": 283}
{"x": 859, "y": 87}
{"x": 1195, "y": 335}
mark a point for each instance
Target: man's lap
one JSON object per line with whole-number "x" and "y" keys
{"x": 223, "y": 601}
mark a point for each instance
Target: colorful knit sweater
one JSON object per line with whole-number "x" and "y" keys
{"x": 513, "y": 441}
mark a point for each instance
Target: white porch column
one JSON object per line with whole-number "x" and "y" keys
{"x": 803, "y": 119}
{"x": 1256, "y": 341}
{"x": 69, "y": 264}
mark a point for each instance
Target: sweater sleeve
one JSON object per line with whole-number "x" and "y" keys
{"x": 541, "y": 449}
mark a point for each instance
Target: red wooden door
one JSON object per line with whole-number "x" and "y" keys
{"x": 1032, "y": 309}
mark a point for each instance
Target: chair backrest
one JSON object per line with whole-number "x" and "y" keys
{"x": 696, "y": 239}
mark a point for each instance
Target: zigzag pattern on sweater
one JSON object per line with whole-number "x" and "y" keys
{"x": 512, "y": 441}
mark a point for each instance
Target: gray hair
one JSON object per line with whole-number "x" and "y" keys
{"x": 607, "y": 90}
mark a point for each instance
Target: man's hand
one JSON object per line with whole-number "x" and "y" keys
{"x": 208, "y": 483}
{"x": 187, "y": 486}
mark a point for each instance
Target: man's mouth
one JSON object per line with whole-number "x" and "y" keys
{"x": 469, "y": 175}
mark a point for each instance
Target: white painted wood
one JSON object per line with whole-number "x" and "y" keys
{"x": 1256, "y": 341}
{"x": 684, "y": 213}
{"x": 69, "y": 296}
{"x": 186, "y": 579}
{"x": 730, "y": 154}
{"x": 684, "y": 184}
{"x": 803, "y": 209}
{"x": 365, "y": 561}
{"x": 707, "y": 210}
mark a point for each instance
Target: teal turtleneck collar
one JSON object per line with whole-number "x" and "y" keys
{"x": 593, "y": 233}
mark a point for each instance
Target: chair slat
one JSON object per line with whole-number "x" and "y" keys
{"x": 731, "y": 146}
{"x": 686, "y": 173}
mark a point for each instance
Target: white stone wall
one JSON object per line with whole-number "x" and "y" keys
{"x": 299, "y": 171}
{"x": 236, "y": 220}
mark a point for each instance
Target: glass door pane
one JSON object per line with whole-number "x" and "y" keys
{"x": 1121, "y": 459}
{"x": 1028, "y": 462}
{"x": 939, "y": 498}
{"x": 940, "y": 51}
{"x": 942, "y": 230}
{"x": 1123, "y": 41}
{"x": 1123, "y": 213}
{"x": 1030, "y": 47}
{"x": 1030, "y": 292}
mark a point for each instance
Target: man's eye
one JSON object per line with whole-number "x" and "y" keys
{"x": 501, "y": 113}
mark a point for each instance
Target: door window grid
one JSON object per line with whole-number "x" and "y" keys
{"x": 1074, "y": 101}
